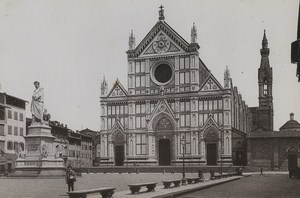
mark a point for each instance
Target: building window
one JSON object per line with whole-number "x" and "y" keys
{"x": 9, "y": 129}
{"x": 140, "y": 122}
{"x": 142, "y": 67}
{"x": 140, "y": 144}
{"x": 15, "y": 130}
{"x": 137, "y": 67}
{"x": 21, "y": 117}
{"x": 22, "y": 146}
{"x": 205, "y": 105}
{"x": 137, "y": 81}
{"x": 21, "y": 131}
{"x": 185, "y": 120}
{"x": 184, "y": 77}
{"x": 16, "y": 145}
{"x": 15, "y": 115}
{"x": 9, "y": 114}
{"x": 210, "y": 103}
{"x": 1, "y": 129}
{"x": 185, "y": 106}
{"x": 187, "y": 137}
{"x": 10, "y": 146}
{"x": 220, "y": 119}
{"x": 200, "y": 105}
{"x": 2, "y": 113}
{"x": 220, "y": 104}
{"x": 200, "y": 120}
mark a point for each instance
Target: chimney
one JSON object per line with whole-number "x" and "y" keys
{"x": 291, "y": 116}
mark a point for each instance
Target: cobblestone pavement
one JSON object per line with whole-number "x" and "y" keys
{"x": 51, "y": 188}
{"x": 267, "y": 186}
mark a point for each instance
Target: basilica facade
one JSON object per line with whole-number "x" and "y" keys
{"x": 172, "y": 105}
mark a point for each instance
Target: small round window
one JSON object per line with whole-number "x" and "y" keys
{"x": 163, "y": 73}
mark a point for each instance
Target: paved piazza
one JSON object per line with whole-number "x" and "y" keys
{"x": 253, "y": 186}
{"x": 51, "y": 188}
{"x": 266, "y": 186}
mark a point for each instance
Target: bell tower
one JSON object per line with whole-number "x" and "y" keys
{"x": 265, "y": 76}
{"x": 265, "y": 82}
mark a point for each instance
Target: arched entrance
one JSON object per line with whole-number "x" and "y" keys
{"x": 164, "y": 131}
{"x": 118, "y": 139}
{"x": 211, "y": 138}
{"x": 292, "y": 158}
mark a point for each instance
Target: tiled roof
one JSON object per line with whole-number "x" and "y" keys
{"x": 291, "y": 125}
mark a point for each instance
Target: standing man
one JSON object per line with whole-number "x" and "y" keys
{"x": 70, "y": 178}
{"x": 37, "y": 103}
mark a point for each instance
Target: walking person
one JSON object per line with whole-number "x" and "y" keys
{"x": 261, "y": 170}
{"x": 70, "y": 178}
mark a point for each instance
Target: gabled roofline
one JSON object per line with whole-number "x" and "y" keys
{"x": 150, "y": 35}
{"x": 117, "y": 82}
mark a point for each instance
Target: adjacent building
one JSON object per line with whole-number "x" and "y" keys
{"x": 172, "y": 104}
{"x": 12, "y": 131}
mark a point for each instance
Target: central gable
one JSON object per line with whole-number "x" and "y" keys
{"x": 161, "y": 38}
{"x": 162, "y": 44}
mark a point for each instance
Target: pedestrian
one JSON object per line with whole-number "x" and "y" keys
{"x": 261, "y": 170}
{"x": 70, "y": 178}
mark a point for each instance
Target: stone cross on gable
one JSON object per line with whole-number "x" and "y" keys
{"x": 161, "y": 13}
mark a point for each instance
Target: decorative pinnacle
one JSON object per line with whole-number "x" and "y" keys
{"x": 227, "y": 73}
{"x": 161, "y": 13}
{"x": 265, "y": 50}
{"x": 265, "y": 41}
{"x": 194, "y": 34}
{"x": 131, "y": 41}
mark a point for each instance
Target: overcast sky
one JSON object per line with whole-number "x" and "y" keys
{"x": 70, "y": 45}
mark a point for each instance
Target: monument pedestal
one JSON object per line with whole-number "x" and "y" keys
{"x": 39, "y": 154}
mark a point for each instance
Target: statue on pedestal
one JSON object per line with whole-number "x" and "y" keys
{"x": 39, "y": 114}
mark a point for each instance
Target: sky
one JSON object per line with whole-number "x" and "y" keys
{"x": 70, "y": 45}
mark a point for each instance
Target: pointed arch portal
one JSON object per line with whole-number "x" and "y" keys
{"x": 118, "y": 139}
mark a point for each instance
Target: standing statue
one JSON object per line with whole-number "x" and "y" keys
{"x": 37, "y": 103}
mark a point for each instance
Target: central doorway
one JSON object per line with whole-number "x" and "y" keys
{"x": 211, "y": 154}
{"x": 292, "y": 161}
{"x": 119, "y": 155}
{"x": 164, "y": 152}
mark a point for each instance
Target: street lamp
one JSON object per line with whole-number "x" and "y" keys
{"x": 183, "y": 143}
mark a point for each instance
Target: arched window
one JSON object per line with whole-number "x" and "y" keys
{"x": 265, "y": 88}
{"x": 227, "y": 145}
{"x": 131, "y": 147}
{"x": 103, "y": 153}
{"x": 194, "y": 147}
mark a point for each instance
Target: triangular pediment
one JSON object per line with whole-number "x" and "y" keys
{"x": 172, "y": 42}
{"x": 117, "y": 126}
{"x": 211, "y": 84}
{"x": 162, "y": 117}
{"x": 210, "y": 122}
{"x": 162, "y": 44}
{"x": 117, "y": 90}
